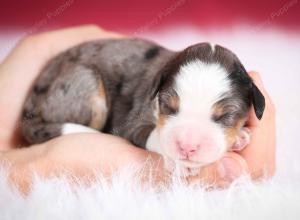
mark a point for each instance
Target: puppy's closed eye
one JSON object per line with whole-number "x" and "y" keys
{"x": 169, "y": 103}
{"x": 222, "y": 117}
{"x": 227, "y": 118}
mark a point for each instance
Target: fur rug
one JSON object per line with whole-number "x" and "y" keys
{"x": 276, "y": 55}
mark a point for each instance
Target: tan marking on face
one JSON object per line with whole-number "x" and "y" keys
{"x": 169, "y": 104}
{"x": 174, "y": 103}
{"x": 161, "y": 121}
{"x": 218, "y": 110}
{"x": 232, "y": 132}
{"x": 98, "y": 108}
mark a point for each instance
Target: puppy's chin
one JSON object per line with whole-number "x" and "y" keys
{"x": 197, "y": 161}
{"x": 182, "y": 168}
{"x": 190, "y": 164}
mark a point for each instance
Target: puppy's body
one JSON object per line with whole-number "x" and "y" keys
{"x": 104, "y": 84}
{"x": 189, "y": 105}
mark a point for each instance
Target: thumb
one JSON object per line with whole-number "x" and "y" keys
{"x": 229, "y": 168}
{"x": 223, "y": 172}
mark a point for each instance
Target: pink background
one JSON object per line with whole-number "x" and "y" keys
{"x": 136, "y": 15}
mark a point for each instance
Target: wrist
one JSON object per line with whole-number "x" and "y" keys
{"x": 19, "y": 165}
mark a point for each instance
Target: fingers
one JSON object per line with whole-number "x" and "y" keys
{"x": 260, "y": 153}
{"x": 223, "y": 172}
{"x": 52, "y": 42}
{"x": 74, "y": 35}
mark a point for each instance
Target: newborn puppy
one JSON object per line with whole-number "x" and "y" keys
{"x": 190, "y": 106}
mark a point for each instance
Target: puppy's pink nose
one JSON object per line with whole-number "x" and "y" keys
{"x": 187, "y": 149}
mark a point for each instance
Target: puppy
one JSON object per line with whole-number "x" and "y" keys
{"x": 190, "y": 106}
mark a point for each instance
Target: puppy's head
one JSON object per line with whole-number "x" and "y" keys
{"x": 204, "y": 95}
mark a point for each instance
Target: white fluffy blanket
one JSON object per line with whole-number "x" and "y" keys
{"x": 276, "y": 55}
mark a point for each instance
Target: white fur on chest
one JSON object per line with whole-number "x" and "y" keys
{"x": 153, "y": 143}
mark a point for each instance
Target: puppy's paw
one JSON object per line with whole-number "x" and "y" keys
{"x": 242, "y": 140}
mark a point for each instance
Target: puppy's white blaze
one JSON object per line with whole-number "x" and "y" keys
{"x": 71, "y": 128}
{"x": 212, "y": 47}
{"x": 199, "y": 85}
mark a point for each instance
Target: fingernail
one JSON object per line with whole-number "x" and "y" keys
{"x": 229, "y": 169}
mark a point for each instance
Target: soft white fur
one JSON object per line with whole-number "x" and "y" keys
{"x": 212, "y": 46}
{"x": 71, "y": 128}
{"x": 275, "y": 55}
{"x": 153, "y": 143}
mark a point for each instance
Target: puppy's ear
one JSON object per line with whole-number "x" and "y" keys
{"x": 258, "y": 101}
{"x": 157, "y": 83}
{"x": 165, "y": 76}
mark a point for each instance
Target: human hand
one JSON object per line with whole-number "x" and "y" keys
{"x": 20, "y": 68}
{"x": 29, "y": 57}
{"x": 257, "y": 159}
{"x": 81, "y": 157}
